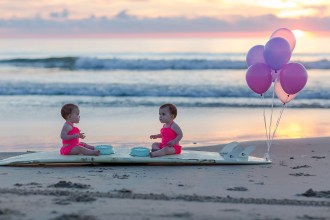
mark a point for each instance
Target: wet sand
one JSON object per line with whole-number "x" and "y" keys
{"x": 129, "y": 127}
{"x": 294, "y": 186}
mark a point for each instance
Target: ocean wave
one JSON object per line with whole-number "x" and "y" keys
{"x": 99, "y": 102}
{"x": 144, "y": 90}
{"x": 96, "y": 64}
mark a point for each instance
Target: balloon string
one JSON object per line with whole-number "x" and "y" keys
{"x": 279, "y": 119}
{"x": 267, "y": 141}
{"x": 278, "y": 122}
{"x": 271, "y": 118}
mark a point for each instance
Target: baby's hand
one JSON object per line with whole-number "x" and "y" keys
{"x": 82, "y": 135}
{"x": 153, "y": 136}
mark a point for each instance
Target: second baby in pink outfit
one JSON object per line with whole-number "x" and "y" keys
{"x": 170, "y": 134}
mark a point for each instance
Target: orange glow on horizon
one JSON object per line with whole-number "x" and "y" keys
{"x": 302, "y": 34}
{"x": 299, "y": 33}
{"x": 291, "y": 130}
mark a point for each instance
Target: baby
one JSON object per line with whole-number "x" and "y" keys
{"x": 170, "y": 133}
{"x": 70, "y": 134}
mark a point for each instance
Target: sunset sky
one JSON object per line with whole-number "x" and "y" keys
{"x": 163, "y": 18}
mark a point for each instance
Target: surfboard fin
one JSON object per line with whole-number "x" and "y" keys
{"x": 236, "y": 152}
{"x": 228, "y": 148}
{"x": 233, "y": 155}
{"x": 244, "y": 155}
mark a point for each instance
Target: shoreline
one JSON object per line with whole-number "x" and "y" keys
{"x": 294, "y": 186}
{"x": 121, "y": 127}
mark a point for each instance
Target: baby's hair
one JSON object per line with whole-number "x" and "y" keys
{"x": 171, "y": 107}
{"x": 67, "y": 110}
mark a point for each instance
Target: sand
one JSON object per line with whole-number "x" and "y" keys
{"x": 294, "y": 186}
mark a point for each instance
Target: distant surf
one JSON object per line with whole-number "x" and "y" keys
{"x": 87, "y": 63}
{"x": 126, "y": 95}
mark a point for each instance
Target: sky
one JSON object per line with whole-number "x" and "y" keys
{"x": 160, "y": 18}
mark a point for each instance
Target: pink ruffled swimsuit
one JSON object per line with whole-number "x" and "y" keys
{"x": 169, "y": 134}
{"x": 69, "y": 144}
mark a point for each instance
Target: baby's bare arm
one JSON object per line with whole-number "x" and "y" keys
{"x": 155, "y": 136}
{"x": 179, "y": 136}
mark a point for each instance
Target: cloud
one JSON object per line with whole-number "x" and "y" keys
{"x": 124, "y": 23}
{"x": 63, "y": 14}
{"x": 123, "y": 15}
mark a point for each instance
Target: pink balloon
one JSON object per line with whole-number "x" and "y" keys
{"x": 259, "y": 78}
{"x": 281, "y": 94}
{"x": 293, "y": 78}
{"x": 287, "y": 35}
{"x": 255, "y": 55}
{"x": 277, "y": 53}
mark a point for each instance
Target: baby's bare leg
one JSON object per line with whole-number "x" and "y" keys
{"x": 155, "y": 147}
{"x": 88, "y": 146}
{"x": 83, "y": 150}
{"x": 162, "y": 152}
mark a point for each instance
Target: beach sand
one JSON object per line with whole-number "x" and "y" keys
{"x": 294, "y": 186}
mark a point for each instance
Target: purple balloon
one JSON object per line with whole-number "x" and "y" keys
{"x": 277, "y": 53}
{"x": 259, "y": 77}
{"x": 293, "y": 78}
{"x": 255, "y": 55}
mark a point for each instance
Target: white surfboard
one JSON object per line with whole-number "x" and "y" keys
{"x": 122, "y": 156}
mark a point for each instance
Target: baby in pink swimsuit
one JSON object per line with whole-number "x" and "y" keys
{"x": 70, "y": 134}
{"x": 170, "y": 134}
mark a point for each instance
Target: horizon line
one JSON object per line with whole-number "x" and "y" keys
{"x": 261, "y": 34}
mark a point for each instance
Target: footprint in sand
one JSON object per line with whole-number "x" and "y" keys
{"x": 238, "y": 188}
{"x": 68, "y": 184}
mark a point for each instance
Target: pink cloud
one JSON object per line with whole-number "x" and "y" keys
{"x": 127, "y": 25}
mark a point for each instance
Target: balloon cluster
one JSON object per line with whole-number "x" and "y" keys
{"x": 270, "y": 63}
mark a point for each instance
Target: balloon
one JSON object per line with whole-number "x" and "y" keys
{"x": 277, "y": 53}
{"x": 285, "y": 34}
{"x": 293, "y": 77}
{"x": 255, "y": 55}
{"x": 281, "y": 94}
{"x": 259, "y": 78}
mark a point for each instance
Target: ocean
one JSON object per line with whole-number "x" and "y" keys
{"x": 40, "y": 75}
